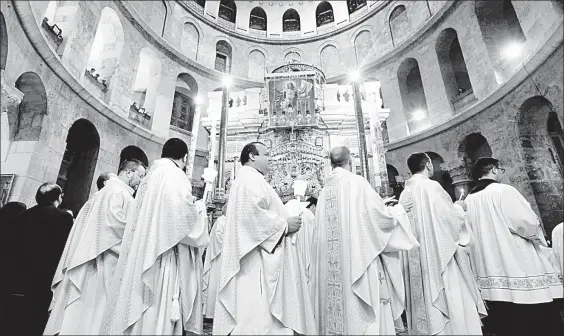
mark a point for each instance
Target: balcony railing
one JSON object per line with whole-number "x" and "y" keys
{"x": 53, "y": 31}
{"x": 94, "y": 78}
{"x": 139, "y": 115}
{"x": 224, "y": 23}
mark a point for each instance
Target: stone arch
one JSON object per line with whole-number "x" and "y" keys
{"x": 536, "y": 125}
{"x": 503, "y": 36}
{"x": 362, "y": 47}
{"x": 399, "y": 24}
{"x": 147, "y": 79}
{"x": 292, "y": 53}
{"x": 133, "y": 152}
{"x": 228, "y": 10}
{"x": 453, "y": 66}
{"x": 330, "y": 61}
{"x": 257, "y": 63}
{"x": 258, "y": 19}
{"x": 412, "y": 94}
{"x": 78, "y": 164}
{"x": 184, "y": 102}
{"x": 440, "y": 174}
{"x": 473, "y": 147}
{"x": 107, "y": 46}
{"x": 291, "y": 21}
{"x": 3, "y": 42}
{"x": 26, "y": 121}
{"x": 223, "y": 56}
{"x": 190, "y": 40}
{"x": 324, "y": 14}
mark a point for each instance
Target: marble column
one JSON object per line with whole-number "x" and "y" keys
{"x": 193, "y": 142}
{"x": 362, "y": 151}
{"x": 10, "y": 100}
{"x": 222, "y": 142}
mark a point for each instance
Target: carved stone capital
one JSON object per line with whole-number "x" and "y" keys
{"x": 11, "y": 97}
{"x": 457, "y": 169}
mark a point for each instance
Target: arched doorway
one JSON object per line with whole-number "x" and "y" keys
{"x": 473, "y": 147}
{"x": 540, "y": 136}
{"x": 133, "y": 152}
{"x": 395, "y": 186}
{"x": 3, "y": 42}
{"x": 440, "y": 175}
{"x": 78, "y": 164}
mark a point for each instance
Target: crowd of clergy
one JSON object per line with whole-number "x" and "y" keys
{"x": 347, "y": 262}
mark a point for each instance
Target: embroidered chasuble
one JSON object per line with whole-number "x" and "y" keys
{"x": 159, "y": 272}
{"x": 356, "y": 267}
{"x": 509, "y": 253}
{"x": 443, "y": 297}
{"x": 212, "y": 266}
{"x": 82, "y": 280}
{"x": 263, "y": 287}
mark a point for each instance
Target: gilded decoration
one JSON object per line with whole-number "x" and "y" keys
{"x": 294, "y": 155}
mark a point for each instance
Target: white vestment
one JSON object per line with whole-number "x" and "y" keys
{"x": 508, "y": 256}
{"x": 159, "y": 272}
{"x": 263, "y": 288}
{"x": 557, "y": 245}
{"x": 82, "y": 280}
{"x": 304, "y": 237}
{"x": 212, "y": 266}
{"x": 359, "y": 288}
{"x": 443, "y": 297}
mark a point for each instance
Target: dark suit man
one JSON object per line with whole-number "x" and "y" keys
{"x": 44, "y": 232}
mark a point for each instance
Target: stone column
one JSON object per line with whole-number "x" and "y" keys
{"x": 193, "y": 142}
{"x": 362, "y": 151}
{"x": 222, "y": 142}
{"x": 10, "y": 100}
{"x": 460, "y": 178}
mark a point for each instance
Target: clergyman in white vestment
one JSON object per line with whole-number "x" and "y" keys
{"x": 510, "y": 257}
{"x": 443, "y": 297}
{"x": 557, "y": 245}
{"x": 82, "y": 280}
{"x": 305, "y": 237}
{"x": 263, "y": 287}
{"x": 157, "y": 285}
{"x": 212, "y": 264}
{"x": 359, "y": 287}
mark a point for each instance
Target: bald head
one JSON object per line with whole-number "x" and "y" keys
{"x": 103, "y": 178}
{"x": 340, "y": 157}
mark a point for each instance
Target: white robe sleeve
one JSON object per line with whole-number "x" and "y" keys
{"x": 519, "y": 216}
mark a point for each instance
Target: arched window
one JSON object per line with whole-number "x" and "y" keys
{"x": 330, "y": 61}
{"x": 228, "y": 10}
{"x": 453, "y": 66}
{"x": 106, "y": 49}
{"x": 412, "y": 94}
{"x": 257, "y": 62}
{"x": 190, "y": 41}
{"x": 257, "y": 19}
{"x": 473, "y": 147}
{"x": 399, "y": 24}
{"x": 184, "y": 105}
{"x": 223, "y": 54}
{"x": 291, "y": 21}
{"x": 78, "y": 164}
{"x": 362, "y": 47}
{"x": 324, "y": 14}
{"x": 354, "y": 5}
{"x": 503, "y": 36}
{"x": 147, "y": 81}
{"x": 58, "y": 21}
{"x": 292, "y": 56}
{"x": 3, "y": 42}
